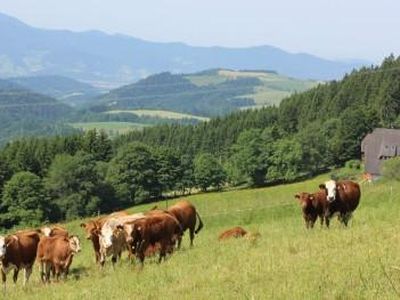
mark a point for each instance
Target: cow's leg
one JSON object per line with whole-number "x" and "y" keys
{"x": 114, "y": 259}
{"x": 57, "y": 269}
{"x": 163, "y": 250}
{"x": 27, "y": 273}
{"x": 3, "y": 280}
{"x": 49, "y": 268}
{"x": 15, "y": 276}
{"x": 191, "y": 234}
{"x": 42, "y": 271}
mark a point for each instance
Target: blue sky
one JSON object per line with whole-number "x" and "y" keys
{"x": 335, "y": 29}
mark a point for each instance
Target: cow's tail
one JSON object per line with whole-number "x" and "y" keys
{"x": 200, "y": 224}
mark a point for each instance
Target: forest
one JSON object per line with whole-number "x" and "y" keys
{"x": 85, "y": 174}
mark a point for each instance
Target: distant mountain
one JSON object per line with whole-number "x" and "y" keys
{"x": 207, "y": 93}
{"x": 101, "y": 58}
{"x": 24, "y": 113}
{"x": 67, "y": 90}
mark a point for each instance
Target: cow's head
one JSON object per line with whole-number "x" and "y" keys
{"x": 106, "y": 237}
{"x": 330, "y": 190}
{"x": 127, "y": 229}
{"x": 3, "y": 246}
{"x": 305, "y": 199}
{"x": 46, "y": 231}
{"x": 92, "y": 229}
{"x": 4, "y": 243}
{"x": 74, "y": 243}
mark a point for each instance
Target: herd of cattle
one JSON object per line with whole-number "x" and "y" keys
{"x": 148, "y": 233}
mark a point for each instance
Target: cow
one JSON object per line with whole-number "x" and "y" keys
{"x": 93, "y": 228}
{"x": 18, "y": 251}
{"x": 154, "y": 228}
{"x": 56, "y": 253}
{"x": 114, "y": 237}
{"x": 235, "y": 232}
{"x": 186, "y": 213}
{"x": 343, "y": 197}
{"x": 55, "y": 230}
{"x": 313, "y": 205}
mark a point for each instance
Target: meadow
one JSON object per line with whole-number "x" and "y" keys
{"x": 163, "y": 114}
{"x": 287, "y": 262}
{"x": 111, "y": 128}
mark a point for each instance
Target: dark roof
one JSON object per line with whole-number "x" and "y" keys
{"x": 381, "y": 144}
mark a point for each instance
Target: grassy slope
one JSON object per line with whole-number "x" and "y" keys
{"x": 110, "y": 127}
{"x": 164, "y": 114}
{"x": 275, "y": 87}
{"x": 288, "y": 262}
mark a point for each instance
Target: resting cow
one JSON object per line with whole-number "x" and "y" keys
{"x": 343, "y": 197}
{"x": 235, "y": 232}
{"x": 313, "y": 206}
{"x": 56, "y": 253}
{"x": 93, "y": 228}
{"x": 18, "y": 251}
{"x": 161, "y": 228}
{"x": 186, "y": 213}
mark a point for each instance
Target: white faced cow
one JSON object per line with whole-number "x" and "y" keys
{"x": 343, "y": 197}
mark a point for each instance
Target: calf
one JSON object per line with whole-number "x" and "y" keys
{"x": 235, "y": 232}
{"x": 56, "y": 253}
{"x": 313, "y": 206}
{"x": 18, "y": 251}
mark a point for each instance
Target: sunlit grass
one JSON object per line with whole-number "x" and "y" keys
{"x": 287, "y": 262}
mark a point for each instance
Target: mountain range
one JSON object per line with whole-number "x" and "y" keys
{"x": 111, "y": 60}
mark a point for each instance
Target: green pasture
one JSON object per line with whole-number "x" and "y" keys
{"x": 287, "y": 262}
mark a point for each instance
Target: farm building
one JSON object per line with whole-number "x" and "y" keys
{"x": 378, "y": 146}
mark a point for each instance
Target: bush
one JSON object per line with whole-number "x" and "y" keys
{"x": 354, "y": 164}
{"x": 391, "y": 169}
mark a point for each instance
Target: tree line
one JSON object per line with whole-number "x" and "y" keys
{"x": 65, "y": 177}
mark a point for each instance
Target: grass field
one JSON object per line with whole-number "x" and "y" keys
{"x": 163, "y": 114}
{"x": 110, "y": 127}
{"x": 275, "y": 87}
{"x": 287, "y": 262}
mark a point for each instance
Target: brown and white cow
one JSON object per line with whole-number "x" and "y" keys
{"x": 313, "y": 205}
{"x": 56, "y": 253}
{"x": 115, "y": 237}
{"x": 161, "y": 228}
{"x": 185, "y": 212}
{"x": 235, "y": 232}
{"x": 93, "y": 227}
{"x": 18, "y": 251}
{"x": 343, "y": 197}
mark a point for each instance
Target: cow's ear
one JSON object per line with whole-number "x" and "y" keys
{"x": 322, "y": 186}
{"x": 83, "y": 225}
{"x": 297, "y": 196}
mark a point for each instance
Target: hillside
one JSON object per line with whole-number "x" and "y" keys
{"x": 67, "y": 90}
{"x": 287, "y": 262}
{"x": 113, "y": 60}
{"x": 207, "y": 93}
{"x": 25, "y": 113}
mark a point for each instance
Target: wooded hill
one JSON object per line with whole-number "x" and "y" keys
{"x": 64, "y": 89}
{"x": 25, "y": 113}
{"x": 208, "y": 93}
{"x": 308, "y": 133}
